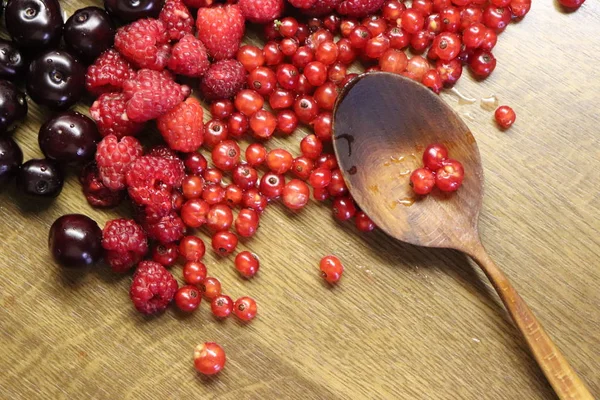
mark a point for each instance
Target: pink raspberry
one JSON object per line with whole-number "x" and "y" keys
{"x": 261, "y": 11}
{"x": 144, "y": 43}
{"x": 153, "y": 288}
{"x": 109, "y": 112}
{"x": 125, "y": 244}
{"x": 151, "y": 94}
{"x": 198, "y": 3}
{"x": 108, "y": 73}
{"x": 160, "y": 150}
{"x": 359, "y": 8}
{"x": 150, "y": 181}
{"x": 221, "y": 29}
{"x": 223, "y": 80}
{"x": 177, "y": 18}
{"x": 94, "y": 190}
{"x": 183, "y": 127}
{"x": 302, "y": 4}
{"x": 167, "y": 229}
{"x": 189, "y": 57}
{"x": 113, "y": 157}
{"x": 322, "y": 7}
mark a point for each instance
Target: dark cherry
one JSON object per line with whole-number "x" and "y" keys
{"x": 13, "y": 106}
{"x": 34, "y": 24}
{"x": 89, "y": 32}
{"x": 75, "y": 241}
{"x": 130, "y": 10}
{"x": 40, "y": 178}
{"x": 69, "y": 138}
{"x": 56, "y": 79}
{"x": 12, "y": 62}
{"x": 11, "y": 158}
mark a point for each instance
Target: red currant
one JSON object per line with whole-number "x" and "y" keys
{"x": 425, "y": 7}
{"x": 450, "y": 71}
{"x": 363, "y": 222}
{"x": 237, "y": 125}
{"x": 271, "y": 185}
{"x": 412, "y": 21}
{"x": 165, "y": 254}
{"x": 279, "y": 161}
{"x": 421, "y": 40}
{"x": 244, "y": 176}
{"x": 496, "y": 18}
{"x": 245, "y": 308}
{"x": 209, "y": 358}
{"x": 450, "y": 18}
{"x": 346, "y": 53}
{"x": 320, "y": 194}
{"x": 246, "y": 222}
{"x": 233, "y": 195}
{"x": 303, "y": 56}
{"x": 337, "y": 187}
{"x": 224, "y": 242}
{"x": 422, "y": 181}
{"x": 226, "y": 155}
{"x": 273, "y": 54}
{"x": 187, "y": 298}
{"x": 450, "y": 177}
{"x": 192, "y": 248}
{"x": 482, "y": 63}
{"x": 520, "y": 8}
{"x": 194, "y": 272}
{"x": 281, "y": 99}
{"x": 213, "y": 194}
{"x": 315, "y": 73}
{"x": 347, "y": 26}
{"x": 215, "y": 131}
{"x": 343, "y": 208}
{"x": 212, "y": 176}
{"x": 320, "y": 178}
{"x": 337, "y": 72}
{"x": 195, "y": 163}
{"x": 433, "y": 81}
{"x": 221, "y": 109}
{"x": 192, "y": 186}
{"x": 251, "y": 57}
{"x": 377, "y": 46}
{"x": 359, "y": 37}
{"x": 247, "y": 264}
{"x": 399, "y": 39}
{"x": 263, "y": 124}
{"x": 211, "y": 287}
{"x": 219, "y": 218}
{"x": 287, "y": 122}
{"x": 331, "y": 269}
{"x": 571, "y": 3}
{"x": 322, "y": 126}
{"x": 447, "y": 45}
{"x": 505, "y": 117}
{"x": 289, "y": 46}
{"x": 375, "y": 24}
{"x": 248, "y": 102}
{"x": 311, "y": 147}
{"x": 327, "y": 161}
{"x": 221, "y": 306}
{"x": 287, "y": 76}
{"x": 326, "y": 95}
{"x": 470, "y": 15}
{"x": 256, "y": 154}
{"x": 327, "y": 52}
{"x": 193, "y": 213}
{"x": 295, "y": 194}
{"x": 393, "y": 61}
{"x": 263, "y": 80}
{"x": 254, "y": 200}
{"x": 418, "y": 66}
{"x": 302, "y": 167}
{"x": 392, "y": 10}
{"x": 434, "y": 156}
{"x": 306, "y": 108}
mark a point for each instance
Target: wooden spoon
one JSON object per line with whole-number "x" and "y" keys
{"x": 382, "y": 124}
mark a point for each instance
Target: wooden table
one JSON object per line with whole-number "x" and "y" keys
{"x": 404, "y": 323}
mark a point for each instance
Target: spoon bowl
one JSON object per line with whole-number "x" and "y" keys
{"x": 382, "y": 123}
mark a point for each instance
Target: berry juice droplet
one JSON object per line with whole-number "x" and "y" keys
{"x": 462, "y": 99}
{"x": 489, "y": 103}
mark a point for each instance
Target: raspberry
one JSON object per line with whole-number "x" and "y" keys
{"x": 109, "y": 113}
{"x": 182, "y": 127}
{"x": 144, "y": 43}
{"x": 162, "y": 151}
{"x": 261, "y": 11}
{"x": 198, "y": 3}
{"x": 113, "y": 157}
{"x": 150, "y": 181}
{"x": 151, "y": 94}
{"x": 359, "y": 8}
{"x": 177, "y": 19}
{"x": 223, "y": 80}
{"x": 125, "y": 244}
{"x": 189, "y": 57}
{"x": 167, "y": 229}
{"x": 153, "y": 288}
{"x": 302, "y": 4}
{"x": 322, "y": 7}
{"x": 221, "y": 29}
{"x": 108, "y": 73}
{"x": 94, "y": 190}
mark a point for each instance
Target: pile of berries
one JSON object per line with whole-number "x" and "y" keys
{"x": 135, "y": 74}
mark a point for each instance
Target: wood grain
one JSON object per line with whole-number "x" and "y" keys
{"x": 405, "y": 322}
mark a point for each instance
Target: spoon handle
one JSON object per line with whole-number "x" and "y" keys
{"x": 562, "y": 377}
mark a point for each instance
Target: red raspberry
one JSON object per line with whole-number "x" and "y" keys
{"x": 125, "y": 244}
{"x": 322, "y": 7}
{"x": 150, "y": 181}
{"x": 151, "y": 94}
{"x": 153, "y": 288}
{"x": 198, "y": 3}
{"x": 303, "y": 4}
{"x": 109, "y": 113}
{"x": 162, "y": 151}
{"x": 183, "y": 127}
{"x": 359, "y": 8}
{"x": 177, "y": 18}
{"x": 221, "y": 29}
{"x": 167, "y": 229}
{"x": 94, "y": 190}
{"x": 113, "y": 157}
{"x": 189, "y": 57}
{"x": 223, "y": 80}
{"x": 261, "y": 11}
{"x": 108, "y": 73}
{"x": 144, "y": 43}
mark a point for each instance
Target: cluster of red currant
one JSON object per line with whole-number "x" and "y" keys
{"x": 438, "y": 171}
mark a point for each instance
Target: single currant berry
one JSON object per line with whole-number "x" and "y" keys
{"x": 221, "y": 109}
{"x": 192, "y": 186}
{"x": 279, "y": 161}
{"x": 331, "y": 269}
{"x": 194, "y": 213}
{"x": 412, "y": 21}
{"x": 247, "y": 264}
{"x": 363, "y": 222}
{"x": 287, "y": 122}
{"x": 224, "y": 243}
{"x": 505, "y": 117}
{"x": 237, "y": 125}
{"x": 256, "y": 154}
{"x": 326, "y": 95}
{"x": 315, "y": 73}
{"x": 245, "y": 176}
{"x": 226, "y": 155}
{"x": 302, "y": 57}
{"x": 482, "y": 63}
{"x": 221, "y": 306}
{"x": 343, "y": 208}
{"x": 311, "y": 147}
{"x": 254, "y": 200}
{"x": 273, "y": 54}
{"x": 337, "y": 187}
{"x": 320, "y": 178}
{"x": 215, "y": 131}
{"x": 295, "y": 194}
{"x": 447, "y": 45}
{"x": 192, "y": 248}
{"x": 233, "y": 195}
{"x": 263, "y": 80}
{"x": 194, "y": 272}
{"x": 213, "y": 194}
{"x": 422, "y": 181}
{"x": 271, "y": 185}
{"x": 573, "y": 4}
{"x": 251, "y": 57}
{"x": 263, "y": 124}
{"x": 219, "y": 218}
{"x": 245, "y": 308}
{"x": 209, "y": 358}
{"x": 211, "y": 287}
{"x": 165, "y": 254}
{"x": 393, "y": 61}
{"x": 246, "y": 222}
{"x": 281, "y": 99}
{"x": 302, "y": 167}
{"x": 450, "y": 177}
{"x": 322, "y": 126}
{"x": 248, "y": 102}
{"x": 434, "y": 155}
{"x": 212, "y": 176}
{"x": 188, "y": 298}
{"x": 306, "y": 109}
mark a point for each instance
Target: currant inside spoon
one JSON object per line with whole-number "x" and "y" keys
{"x": 382, "y": 124}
